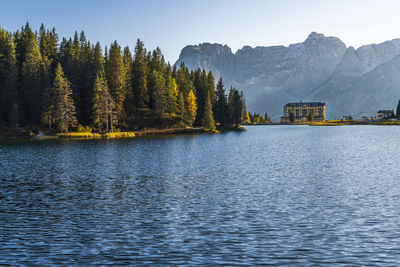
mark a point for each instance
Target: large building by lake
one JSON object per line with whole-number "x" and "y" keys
{"x": 303, "y": 112}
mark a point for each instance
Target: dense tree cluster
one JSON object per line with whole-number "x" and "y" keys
{"x": 45, "y": 83}
{"x": 259, "y": 119}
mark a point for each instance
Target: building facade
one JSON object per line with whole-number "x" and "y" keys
{"x": 385, "y": 114}
{"x": 303, "y": 112}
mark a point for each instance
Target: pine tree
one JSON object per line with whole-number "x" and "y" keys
{"x": 266, "y": 117}
{"x": 208, "y": 120}
{"x": 171, "y": 97}
{"x": 191, "y": 107}
{"x": 8, "y": 80}
{"x": 235, "y": 106}
{"x": 181, "y": 106}
{"x": 62, "y": 108}
{"x": 103, "y": 114}
{"x": 139, "y": 76}
{"x": 221, "y": 105}
{"x": 115, "y": 74}
{"x": 30, "y": 91}
{"x": 129, "y": 101}
{"x": 158, "y": 92}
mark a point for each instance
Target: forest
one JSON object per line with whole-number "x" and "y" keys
{"x": 61, "y": 85}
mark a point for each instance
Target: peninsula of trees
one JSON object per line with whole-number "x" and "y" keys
{"x": 47, "y": 84}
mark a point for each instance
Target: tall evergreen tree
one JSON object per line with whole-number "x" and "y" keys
{"x": 221, "y": 105}
{"x": 139, "y": 76}
{"x": 181, "y": 106}
{"x": 129, "y": 101}
{"x": 8, "y": 80}
{"x": 158, "y": 92}
{"x": 30, "y": 90}
{"x": 115, "y": 74}
{"x": 171, "y": 95}
{"x": 208, "y": 120}
{"x": 398, "y": 109}
{"x": 62, "y": 110}
{"x": 103, "y": 114}
{"x": 235, "y": 107}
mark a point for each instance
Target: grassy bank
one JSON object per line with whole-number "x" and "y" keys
{"x": 149, "y": 132}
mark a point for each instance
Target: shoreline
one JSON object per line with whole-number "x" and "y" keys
{"x": 26, "y": 134}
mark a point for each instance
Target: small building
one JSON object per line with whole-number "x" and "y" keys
{"x": 347, "y": 118}
{"x": 303, "y": 112}
{"x": 385, "y": 114}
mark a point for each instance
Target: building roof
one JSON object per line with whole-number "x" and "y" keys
{"x": 385, "y": 111}
{"x": 305, "y": 103}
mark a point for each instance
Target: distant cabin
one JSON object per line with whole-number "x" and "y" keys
{"x": 303, "y": 112}
{"x": 385, "y": 114}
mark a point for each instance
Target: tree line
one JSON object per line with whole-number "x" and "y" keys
{"x": 58, "y": 85}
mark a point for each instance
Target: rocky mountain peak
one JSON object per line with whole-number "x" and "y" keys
{"x": 321, "y": 68}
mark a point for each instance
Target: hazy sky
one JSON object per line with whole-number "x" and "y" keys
{"x": 173, "y": 24}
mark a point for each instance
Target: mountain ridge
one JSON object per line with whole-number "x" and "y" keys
{"x": 321, "y": 68}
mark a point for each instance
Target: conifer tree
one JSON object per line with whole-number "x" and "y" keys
{"x": 171, "y": 97}
{"x": 221, "y": 105}
{"x": 115, "y": 74}
{"x": 129, "y": 102}
{"x": 139, "y": 76}
{"x": 208, "y": 120}
{"x": 191, "y": 107}
{"x": 181, "y": 106}
{"x": 235, "y": 106}
{"x": 159, "y": 92}
{"x": 62, "y": 108}
{"x": 30, "y": 91}
{"x": 8, "y": 80}
{"x": 103, "y": 114}
{"x": 266, "y": 117}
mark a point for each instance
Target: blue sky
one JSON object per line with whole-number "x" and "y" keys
{"x": 173, "y": 24}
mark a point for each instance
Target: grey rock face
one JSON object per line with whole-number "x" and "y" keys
{"x": 340, "y": 89}
{"x": 319, "y": 69}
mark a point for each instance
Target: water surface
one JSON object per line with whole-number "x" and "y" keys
{"x": 277, "y": 195}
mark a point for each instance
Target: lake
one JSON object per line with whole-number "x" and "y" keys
{"x": 274, "y": 195}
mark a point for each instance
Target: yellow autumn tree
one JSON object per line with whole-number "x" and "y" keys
{"x": 191, "y": 107}
{"x": 175, "y": 88}
{"x": 246, "y": 118}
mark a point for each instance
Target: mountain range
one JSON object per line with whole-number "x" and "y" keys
{"x": 350, "y": 81}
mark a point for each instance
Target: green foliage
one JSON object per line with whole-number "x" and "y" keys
{"x": 221, "y": 110}
{"x": 30, "y": 86}
{"x": 258, "y": 119}
{"x": 115, "y": 74}
{"x": 61, "y": 110}
{"x": 235, "y": 107}
{"x": 8, "y": 81}
{"x": 103, "y": 114}
{"x": 84, "y": 129}
{"x": 208, "y": 120}
{"x": 58, "y": 85}
{"x": 139, "y": 76}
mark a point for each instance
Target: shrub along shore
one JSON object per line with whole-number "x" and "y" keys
{"x": 21, "y": 133}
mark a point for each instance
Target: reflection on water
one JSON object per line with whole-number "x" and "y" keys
{"x": 275, "y": 195}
